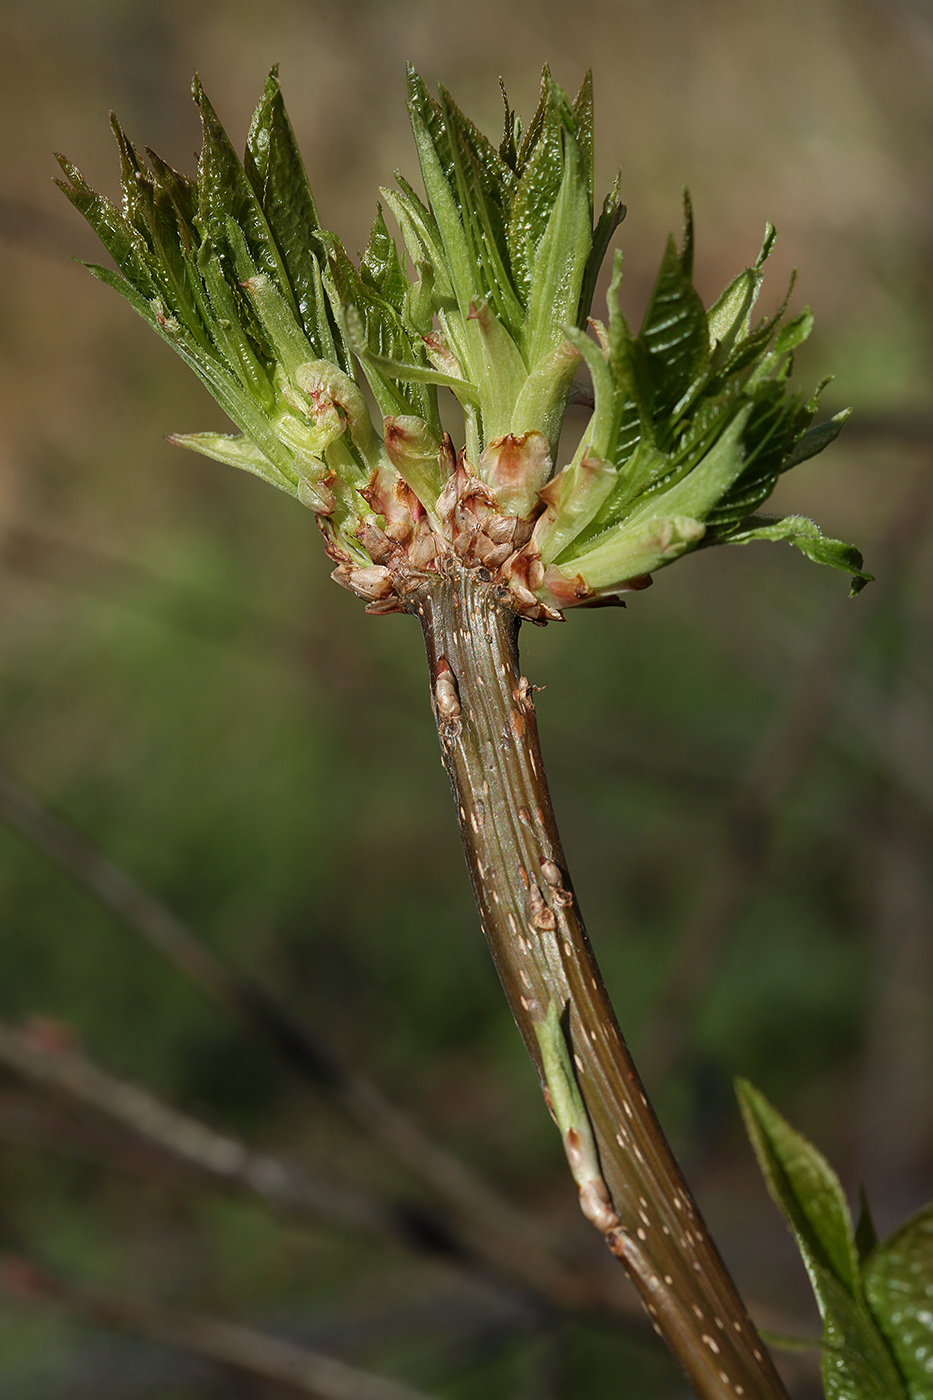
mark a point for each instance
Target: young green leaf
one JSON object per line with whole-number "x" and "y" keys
{"x": 379, "y": 337}
{"x": 804, "y": 1187}
{"x": 274, "y": 168}
{"x": 224, "y": 192}
{"x": 235, "y": 450}
{"x": 808, "y": 538}
{"x": 560, "y": 258}
{"x": 381, "y": 267}
{"x": 674, "y": 334}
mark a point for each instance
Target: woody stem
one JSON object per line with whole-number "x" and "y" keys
{"x": 489, "y": 741}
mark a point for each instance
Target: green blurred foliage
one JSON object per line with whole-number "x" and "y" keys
{"x": 180, "y": 680}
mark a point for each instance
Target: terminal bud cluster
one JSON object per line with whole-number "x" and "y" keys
{"x": 692, "y": 418}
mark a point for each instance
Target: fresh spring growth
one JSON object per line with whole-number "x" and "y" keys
{"x": 693, "y": 419}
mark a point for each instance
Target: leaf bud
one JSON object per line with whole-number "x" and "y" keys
{"x": 414, "y": 452}
{"x": 516, "y": 468}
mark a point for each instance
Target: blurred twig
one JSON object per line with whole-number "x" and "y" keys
{"x": 477, "y": 1224}
{"x": 40, "y": 1058}
{"x": 226, "y": 1344}
{"x": 754, "y": 810}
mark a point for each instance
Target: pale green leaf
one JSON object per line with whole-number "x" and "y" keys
{"x": 235, "y": 450}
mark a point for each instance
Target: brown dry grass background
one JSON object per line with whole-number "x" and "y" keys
{"x": 178, "y": 677}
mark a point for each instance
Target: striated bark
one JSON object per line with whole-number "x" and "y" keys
{"x": 489, "y": 740}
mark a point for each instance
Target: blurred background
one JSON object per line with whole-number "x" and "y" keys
{"x": 741, "y": 761}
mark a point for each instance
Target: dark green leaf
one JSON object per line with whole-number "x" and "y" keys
{"x": 379, "y": 332}
{"x": 560, "y": 260}
{"x": 222, "y": 383}
{"x": 124, "y": 243}
{"x": 535, "y": 194}
{"x": 899, "y": 1285}
{"x": 729, "y": 316}
{"x": 225, "y": 192}
{"x": 480, "y": 187}
{"x": 582, "y": 109}
{"x": 855, "y": 1363}
{"x": 511, "y": 134}
{"x": 674, "y": 338}
{"x": 440, "y": 184}
{"x": 230, "y": 317}
{"x": 772, "y": 428}
{"x": 276, "y": 172}
{"x": 155, "y": 204}
{"x": 613, "y": 212}
{"x": 866, "y": 1236}
{"x": 815, "y": 439}
{"x": 536, "y": 126}
{"x": 422, "y": 236}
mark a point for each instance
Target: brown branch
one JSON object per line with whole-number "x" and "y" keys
{"x": 489, "y": 743}
{"x": 223, "y": 1343}
{"x": 477, "y": 1223}
{"x": 755, "y": 809}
